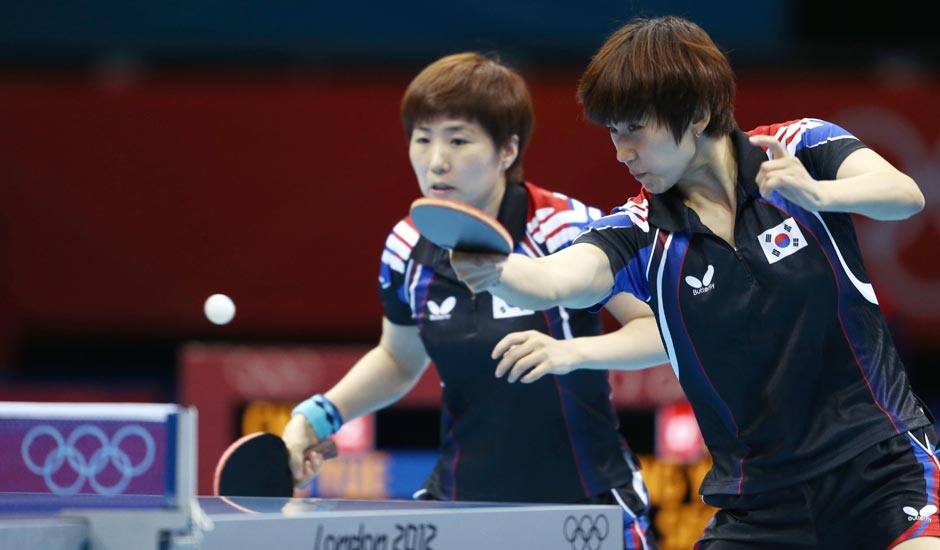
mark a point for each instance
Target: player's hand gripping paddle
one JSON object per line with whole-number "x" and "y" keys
{"x": 257, "y": 465}
{"x": 456, "y": 226}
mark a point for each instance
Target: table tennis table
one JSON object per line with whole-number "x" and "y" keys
{"x": 62, "y": 465}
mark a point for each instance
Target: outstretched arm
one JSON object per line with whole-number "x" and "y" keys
{"x": 381, "y": 377}
{"x": 578, "y": 276}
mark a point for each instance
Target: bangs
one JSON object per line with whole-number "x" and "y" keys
{"x": 667, "y": 70}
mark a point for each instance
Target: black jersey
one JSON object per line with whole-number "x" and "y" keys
{"x": 554, "y": 440}
{"x": 779, "y": 344}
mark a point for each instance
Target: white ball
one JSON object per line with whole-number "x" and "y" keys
{"x": 219, "y": 308}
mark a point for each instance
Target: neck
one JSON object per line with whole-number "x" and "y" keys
{"x": 491, "y": 206}
{"x": 713, "y": 173}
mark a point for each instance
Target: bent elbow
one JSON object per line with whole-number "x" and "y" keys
{"x": 919, "y": 201}
{"x": 916, "y": 201}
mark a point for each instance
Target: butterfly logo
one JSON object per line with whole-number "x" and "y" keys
{"x": 441, "y": 312}
{"x": 922, "y": 515}
{"x": 705, "y": 284}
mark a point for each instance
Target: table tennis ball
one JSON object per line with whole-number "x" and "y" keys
{"x": 219, "y": 308}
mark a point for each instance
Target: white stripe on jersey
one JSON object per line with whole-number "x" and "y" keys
{"x": 411, "y": 289}
{"x": 527, "y": 249}
{"x": 926, "y": 449}
{"x": 541, "y": 214}
{"x": 395, "y": 244}
{"x": 663, "y": 324}
{"x": 577, "y": 214}
{"x": 534, "y": 247}
{"x": 565, "y": 325}
{"x": 865, "y": 289}
{"x": 406, "y": 232}
{"x": 563, "y": 237}
{"x": 408, "y": 272}
{"x": 833, "y": 138}
{"x": 650, "y": 262}
{"x": 393, "y": 261}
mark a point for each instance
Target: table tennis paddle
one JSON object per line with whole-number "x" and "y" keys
{"x": 257, "y": 465}
{"x": 457, "y": 226}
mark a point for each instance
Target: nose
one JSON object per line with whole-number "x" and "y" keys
{"x": 625, "y": 153}
{"x": 440, "y": 164}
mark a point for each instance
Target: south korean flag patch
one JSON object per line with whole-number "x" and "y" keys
{"x": 781, "y": 241}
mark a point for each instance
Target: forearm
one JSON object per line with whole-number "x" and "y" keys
{"x": 375, "y": 381}
{"x": 524, "y": 283}
{"x": 880, "y": 195}
{"x": 636, "y": 345}
{"x": 542, "y": 283}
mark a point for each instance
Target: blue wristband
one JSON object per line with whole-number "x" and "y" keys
{"x": 322, "y": 415}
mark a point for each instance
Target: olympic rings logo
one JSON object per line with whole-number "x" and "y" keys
{"x": 586, "y": 533}
{"x": 88, "y": 468}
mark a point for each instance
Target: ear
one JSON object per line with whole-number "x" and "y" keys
{"x": 700, "y": 122}
{"x": 509, "y": 152}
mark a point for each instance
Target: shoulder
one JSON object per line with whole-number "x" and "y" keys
{"x": 544, "y": 202}
{"x": 399, "y": 244}
{"x": 554, "y": 218}
{"x": 632, "y": 214}
{"x": 803, "y": 133}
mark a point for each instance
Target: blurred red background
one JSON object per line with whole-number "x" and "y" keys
{"x": 124, "y": 205}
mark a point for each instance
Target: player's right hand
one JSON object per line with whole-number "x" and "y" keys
{"x": 479, "y": 271}
{"x": 299, "y": 437}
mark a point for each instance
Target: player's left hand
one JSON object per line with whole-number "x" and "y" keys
{"x": 786, "y": 175}
{"x": 522, "y": 351}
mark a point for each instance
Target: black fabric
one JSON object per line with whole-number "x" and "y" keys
{"x": 859, "y": 505}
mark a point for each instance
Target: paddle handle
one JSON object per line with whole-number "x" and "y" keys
{"x": 326, "y": 448}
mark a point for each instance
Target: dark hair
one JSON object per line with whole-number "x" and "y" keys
{"x": 472, "y": 86}
{"x": 667, "y": 69}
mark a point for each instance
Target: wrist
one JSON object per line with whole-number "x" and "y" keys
{"x": 828, "y": 197}
{"x": 321, "y": 414}
{"x": 577, "y": 354}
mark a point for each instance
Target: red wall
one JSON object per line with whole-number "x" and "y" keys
{"x": 122, "y": 208}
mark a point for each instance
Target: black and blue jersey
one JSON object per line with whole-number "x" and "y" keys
{"x": 555, "y": 440}
{"x": 778, "y": 342}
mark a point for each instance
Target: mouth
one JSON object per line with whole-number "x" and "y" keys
{"x": 441, "y": 188}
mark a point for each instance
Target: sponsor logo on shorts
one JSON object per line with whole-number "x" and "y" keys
{"x": 913, "y": 514}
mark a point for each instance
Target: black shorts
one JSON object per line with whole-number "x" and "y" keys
{"x": 882, "y": 497}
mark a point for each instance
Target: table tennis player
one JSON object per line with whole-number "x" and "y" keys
{"x": 554, "y": 438}
{"x": 743, "y": 245}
